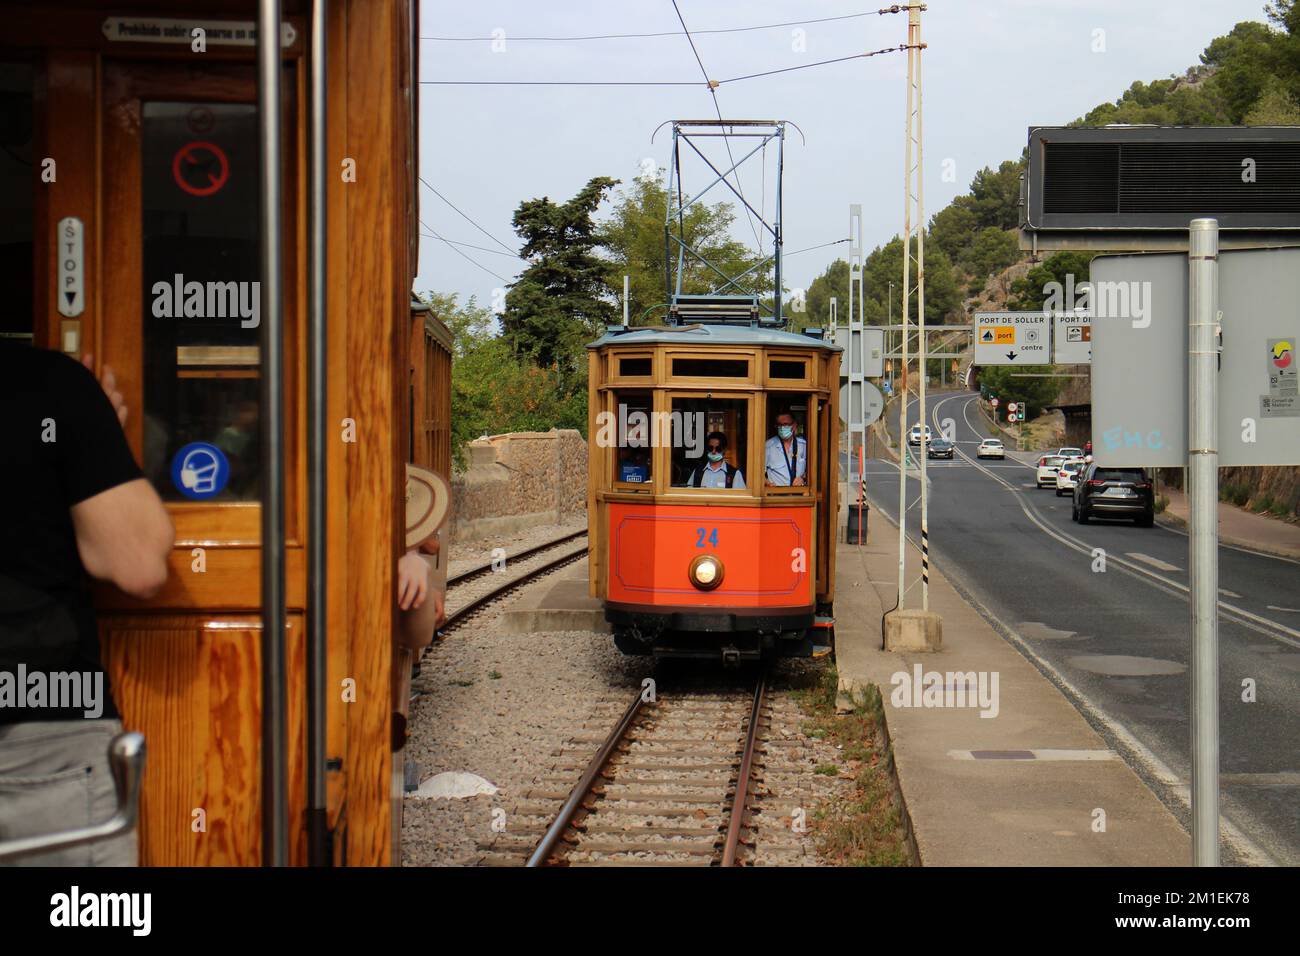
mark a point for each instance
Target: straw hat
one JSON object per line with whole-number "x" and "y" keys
{"x": 428, "y": 500}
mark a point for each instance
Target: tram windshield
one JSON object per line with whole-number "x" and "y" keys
{"x": 711, "y": 444}
{"x": 788, "y": 445}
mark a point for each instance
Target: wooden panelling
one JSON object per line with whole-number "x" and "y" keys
{"x": 375, "y": 259}
{"x": 191, "y": 685}
{"x": 231, "y": 582}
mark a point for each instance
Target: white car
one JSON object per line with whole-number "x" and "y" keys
{"x": 914, "y": 436}
{"x": 1048, "y": 465}
{"x": 991, "y": 448}
{"x": 1068, "y": 475}
{"x": 1070, "y": 452}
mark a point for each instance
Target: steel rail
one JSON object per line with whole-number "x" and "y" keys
{"x": 457, "y": 616}
{"x": 522, "y": 556}
{"x": 737, "y": 820}
{"x": 583, "y": 787}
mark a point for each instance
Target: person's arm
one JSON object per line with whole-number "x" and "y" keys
{"x": 124, "y": 534}
{"x": 420, "y": 604}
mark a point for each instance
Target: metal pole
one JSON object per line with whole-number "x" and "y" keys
{"x": 907, "y": 282}
{"x": 275, "y": 806}
{"x": 626, "y": 281}
{"x": 317, "y": 391}
{"x": 1203, "y": 527}
{"x": 779, "y": 239}
{"x": 914, "y": 51}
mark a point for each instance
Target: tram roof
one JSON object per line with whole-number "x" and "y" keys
{"x": 704, "y": 334}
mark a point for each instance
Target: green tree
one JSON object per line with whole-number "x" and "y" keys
{"x": 1064, "y": 269}
{"x": 562, "y": 300}
{"x": 834, "y": 282}
{"x": 633, "y": 238}
{"x": 493, "y": 389}
{"x": 1275, "y": 107}
{"x": 992, "y": 251}
{"x": 1036, "y": 393}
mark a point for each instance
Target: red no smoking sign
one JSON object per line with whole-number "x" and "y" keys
{"x": 200, "y": 168}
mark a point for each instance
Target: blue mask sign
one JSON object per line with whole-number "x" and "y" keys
{"x": 200, "y": 471}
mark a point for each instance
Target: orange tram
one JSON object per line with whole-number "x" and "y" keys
{"x": 711, "y": 535}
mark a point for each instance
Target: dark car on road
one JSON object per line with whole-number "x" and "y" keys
{"x": 939, "y": 448}
{"x": 1104, "y": 492}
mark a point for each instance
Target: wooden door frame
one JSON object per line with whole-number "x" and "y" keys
{"x": 127, "y": 83}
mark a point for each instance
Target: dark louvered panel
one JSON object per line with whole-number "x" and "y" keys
{"x": 1207, "y": 178}
{"x": 1080, "y": 178}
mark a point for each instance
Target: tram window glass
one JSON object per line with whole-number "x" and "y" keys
{"x": 17, "y": 198}
{"x": 778, "y": 458}
{"x": 633, "y": 367}
{"x": 710, "y": 368}
{"x": 199, "y": 193}
{"x": 694, "y": 419}
{"x": 634, "y": 438}
{"x": 788, "y": 368}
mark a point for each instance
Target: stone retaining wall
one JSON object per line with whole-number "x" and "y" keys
{"x": 518, "y": 480}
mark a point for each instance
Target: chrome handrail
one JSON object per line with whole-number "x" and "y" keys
{"x": 126, "y": 759}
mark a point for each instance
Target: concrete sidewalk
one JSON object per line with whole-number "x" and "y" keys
{"x": 1238, "y": 526}
{"x": 1030, "y": 786}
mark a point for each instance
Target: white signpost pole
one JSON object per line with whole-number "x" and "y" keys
{"x": 1203, "y": 527}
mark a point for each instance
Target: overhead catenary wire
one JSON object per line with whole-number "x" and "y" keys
{"x": 467, "y": 219}
{"x": 895, "y": 8}
{"x": 450, "y": 245}
{"x": 714, "y": 83}
{"x": 470, "y": 245}
{"x": 713, "y": 92}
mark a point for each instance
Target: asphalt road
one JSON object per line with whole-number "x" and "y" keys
{"x": 1119, "y": 641}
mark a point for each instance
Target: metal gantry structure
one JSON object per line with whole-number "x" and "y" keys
{"x": 746, "y": 303}
{"x": 913, "y": 227}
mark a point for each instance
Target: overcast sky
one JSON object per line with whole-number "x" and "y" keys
{"x": 992, "y": 69}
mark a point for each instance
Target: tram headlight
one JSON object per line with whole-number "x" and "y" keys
{"x": 705, "y": 572}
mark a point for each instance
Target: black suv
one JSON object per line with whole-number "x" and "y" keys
{"x": 1102, "y": 492}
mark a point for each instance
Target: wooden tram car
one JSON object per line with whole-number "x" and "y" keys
{"x": 718, "y": 572}
{"x": 157, "y": 161}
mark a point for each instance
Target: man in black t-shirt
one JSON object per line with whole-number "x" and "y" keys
{"x": 75, "y": 506}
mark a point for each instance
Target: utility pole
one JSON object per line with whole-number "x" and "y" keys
{"x": 1203, "y": 531}
{"x": 914, "y": 221}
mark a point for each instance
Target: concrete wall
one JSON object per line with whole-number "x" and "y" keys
{"x": 519, "y": 480}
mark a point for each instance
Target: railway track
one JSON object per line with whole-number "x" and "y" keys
{"x": 673, "y": 783}
{"x": 472, "y": 576}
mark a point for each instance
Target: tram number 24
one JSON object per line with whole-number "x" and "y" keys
{"x": 709, "y": 535}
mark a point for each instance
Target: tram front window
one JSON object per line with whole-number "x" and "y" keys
{"x": 635, "y": 437}
{"x": 710, "y": 443}
{"x": 788, "y": 448}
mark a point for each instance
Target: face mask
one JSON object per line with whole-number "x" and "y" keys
{"x": 785, "y": 431}
{"x": 715, "y": 456}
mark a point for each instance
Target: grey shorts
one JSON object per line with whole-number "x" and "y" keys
{"x": 54, "y": 776}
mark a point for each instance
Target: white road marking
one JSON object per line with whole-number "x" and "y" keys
{"x": 1289, "y": 610}
{"x": 1233, "y": 594}
{"x": 1263, "y": 625}
{"x": 1154, "y": 562}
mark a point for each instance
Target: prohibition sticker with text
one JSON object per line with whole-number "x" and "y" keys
{"x": 1283, "y": 398}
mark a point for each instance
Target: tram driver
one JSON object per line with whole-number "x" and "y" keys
{"x": 717, "y": 472}
{"x": 786, "y": 454}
